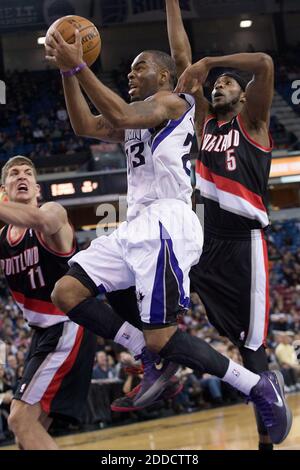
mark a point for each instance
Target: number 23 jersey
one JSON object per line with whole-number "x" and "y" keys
{"x": 158, "y": 163}
{"x": 31, "y": 269}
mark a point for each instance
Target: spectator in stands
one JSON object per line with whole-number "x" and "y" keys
{"x": 11, "y": 370}
{"x": 62, "y": 114}
{"x": 286, "y": 355}
{"x": 284, "y": 239}
{"x": 102, "y": 370}
{"x": 212, "y": 386}
{"x": 190, "y": 398}
{"x": 128, "y": 371}
{"x": 6, "y": 395}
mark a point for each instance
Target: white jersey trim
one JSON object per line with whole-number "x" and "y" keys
{"x": 52, "y": 363}
{"x": 231, "y": 202}
{"x": 258, "y": 305}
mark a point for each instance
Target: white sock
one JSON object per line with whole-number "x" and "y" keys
{"x": 131, "y": 338}
{"x": 240, "y": 378}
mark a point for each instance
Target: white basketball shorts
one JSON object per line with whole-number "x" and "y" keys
{"x": 153, "y": 252}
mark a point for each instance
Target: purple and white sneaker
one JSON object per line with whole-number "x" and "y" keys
{"x": 269, "y": 400}
{"x": 157, "y": 376}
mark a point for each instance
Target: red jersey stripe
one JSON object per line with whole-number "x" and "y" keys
{"x": 230, "y": 186}
{"x": 39, "y": 306}
{"x": 61, "y": 373}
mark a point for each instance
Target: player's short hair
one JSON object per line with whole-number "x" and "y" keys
{"x": 165, "y": 61}
{"x": 237, "y": 77}
{"x": 18, "y": 160}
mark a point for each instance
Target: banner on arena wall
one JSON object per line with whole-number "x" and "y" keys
{"x": 285, "y": 166}
{"x": 134, "y": 11}
{"x": 20, "y": 14}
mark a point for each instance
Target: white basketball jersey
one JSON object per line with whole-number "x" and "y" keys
{"x": 158, "y": 163}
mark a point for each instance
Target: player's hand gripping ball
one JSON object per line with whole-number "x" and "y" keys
{"x": 82, "y": 38}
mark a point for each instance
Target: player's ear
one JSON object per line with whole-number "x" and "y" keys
{"x": 243, "y": 98}
{"x": 164, "y": 77}
{"x": 3, "y": 195}
{"x": 38, "y": 191}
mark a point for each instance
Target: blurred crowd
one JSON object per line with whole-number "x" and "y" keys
{"x": 113, "y": 364}
{"x": 34, "y": 122}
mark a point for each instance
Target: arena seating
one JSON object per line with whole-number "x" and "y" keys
{"x": 283, "y": 241}
{"x": 35, "y": 123}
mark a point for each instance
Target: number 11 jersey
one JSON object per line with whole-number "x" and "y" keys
{"x": 31, "y": 269}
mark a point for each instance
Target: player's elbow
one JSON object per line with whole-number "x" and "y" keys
{"x": 265, "y": 61}
{"x": 82, "y": 126}
{"x": 182, "y": 61}
{"x": 80, "y": 130}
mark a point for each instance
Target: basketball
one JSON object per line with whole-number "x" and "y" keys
{"x": 91, "y": 41}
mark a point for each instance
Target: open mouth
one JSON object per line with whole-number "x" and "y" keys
{"x": 218, "y": 95}
{"x": 132, "y": 88}
{"x": 22, "y": 188}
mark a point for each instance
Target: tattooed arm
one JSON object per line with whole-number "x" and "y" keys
{"x": 117, "y": 115}
{"x": 84, "y": 123}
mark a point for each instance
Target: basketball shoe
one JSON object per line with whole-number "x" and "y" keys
{"x": 157, "y": 377}
{"x": 268, "y": 398}
{"x": 126, "y": 403}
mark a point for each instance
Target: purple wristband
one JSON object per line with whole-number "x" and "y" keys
{"x": 71, "y": 72}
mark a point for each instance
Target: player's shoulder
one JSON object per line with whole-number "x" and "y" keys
{"x": 183, "y": 101}
{"x": 54, "y": 208}
{"x": 48, "y": 206}
{"x": 168, "y": 95}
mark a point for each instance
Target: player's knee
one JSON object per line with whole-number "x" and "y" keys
{"x": 66, "y": 294}
{"x": 18, "y": 421}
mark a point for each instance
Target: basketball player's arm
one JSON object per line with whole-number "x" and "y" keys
{"x": 50, "y": 220}
{"x": 182, "y": 55}
{"x": 259, "y": 92}
{"x": 178, "y": 39}
{"x": 138, "y": 115}
{"x": 119, "y": 114}
{"x": 84, "y": 123}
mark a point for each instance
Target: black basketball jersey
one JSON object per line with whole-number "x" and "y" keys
{"x": 31, "y": 270}
{"x": 232, "y": 174}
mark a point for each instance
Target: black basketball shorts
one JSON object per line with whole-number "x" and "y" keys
{"x": 58, "y": 370}
{"x": 231, "y": 279}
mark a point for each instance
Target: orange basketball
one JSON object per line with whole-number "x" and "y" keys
{"x": 91, "y": 41}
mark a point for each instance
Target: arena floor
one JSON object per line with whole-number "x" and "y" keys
{"x": 230, "y": 428}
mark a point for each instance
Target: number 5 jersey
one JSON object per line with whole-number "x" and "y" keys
{"x": 232, "y": 175}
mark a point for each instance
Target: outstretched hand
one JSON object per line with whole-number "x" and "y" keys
{"x": 193, "y": 78}
{"x": 65, "y": 56}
